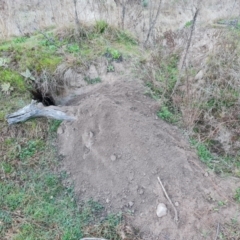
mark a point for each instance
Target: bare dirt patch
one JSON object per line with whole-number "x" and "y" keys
{"x": 118, "y": 147}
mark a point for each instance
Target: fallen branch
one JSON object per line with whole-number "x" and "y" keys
{"x": 34, "y": 110}
{"x": 170, "y": 201}
{"x": 218, "y": 226}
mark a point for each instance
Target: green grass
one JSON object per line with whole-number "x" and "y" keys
{"x": 30, "y": 190}
{"x": 167, "y": 115}
{"x": 14, "y": 78}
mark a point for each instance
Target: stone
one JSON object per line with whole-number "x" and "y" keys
{"x": 199, "y": 75}
{"x": 141, "y": 192}
{"x": 130, "y": 204}
{"x": 176, "y": 204}
{"x": 161, "y": 210}
{"x": 113, "y": 157}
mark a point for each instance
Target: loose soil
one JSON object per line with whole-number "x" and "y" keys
{"x": 117, "y": 148}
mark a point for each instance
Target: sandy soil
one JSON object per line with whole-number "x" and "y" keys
{"x": 117, "y": 148}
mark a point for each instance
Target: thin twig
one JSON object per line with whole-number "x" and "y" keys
{"x": 217, "y": 231}
{"x": 170, "y": 201}
{"x": 153, "y": 22}
{"x": 190, "y": 38}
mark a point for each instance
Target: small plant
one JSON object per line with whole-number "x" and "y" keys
{"x": 113, "y": 54}
{"x": 188, "y": 24}
{"x": 28, "y": 75}
{"x": 20, "y": 40}
{"x": 166, "y": 115}
{"x": 54, "y": 125}
{"x": 6, "y": 88}
{"x": 237, "y": 195}
{"x": 4, "y": 62}
{"x": 32, "y": 147}
{"x": 92, "y": 80}
{"x": 101, "y": 26}
{"x": 73, "y": 48}
{"x": 110, "y": 68}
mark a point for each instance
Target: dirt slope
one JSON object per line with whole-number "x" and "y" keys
{"x": 116, "y": 150}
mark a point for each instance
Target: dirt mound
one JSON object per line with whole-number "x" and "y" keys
{"x": 118, "y": 147}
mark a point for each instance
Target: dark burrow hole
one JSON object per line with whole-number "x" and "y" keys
{"x": 45, "y": 98}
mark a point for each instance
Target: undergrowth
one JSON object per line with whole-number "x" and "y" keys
{"x": 207, "y": 109}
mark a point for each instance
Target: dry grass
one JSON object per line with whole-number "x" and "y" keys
{"x": 207, "y": 107}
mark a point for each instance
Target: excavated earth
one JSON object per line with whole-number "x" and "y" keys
{"x": 117, "y": 148}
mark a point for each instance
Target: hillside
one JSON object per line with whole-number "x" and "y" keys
{"x": 154, "y": 91}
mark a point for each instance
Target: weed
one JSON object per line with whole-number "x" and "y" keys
{"x": 54, "y": 124}
{"x": 166, "y": 115}
{"x": 203, "y": 152}
{"x": 101, "y": 26}
{"x": 13, "y": 78}
{"x": 92, "y": 80}
{"x": 20, "y": 39}
{"x": 113, "y": 54}
{"x": 73, "y": 48}
{"x": 188, "y": 24}
{"x": 237, "y": 195}
{"x": 32, "y": 147}
{"x": 126, "y": 38}
{"x": 110, "y": 68}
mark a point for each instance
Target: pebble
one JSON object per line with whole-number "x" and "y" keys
{"x": 206, "y": 174}
{"x": 107, "y": 200}
{"x": 113, "y": 157}
{"x": 141, "y": 192}
{"x": 161, "y": 210}
{"x": 91, "y": 134}
{"x": 130, "y": 204}
{"x": 176, "y": 204}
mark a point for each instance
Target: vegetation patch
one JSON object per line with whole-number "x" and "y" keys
{"x": 208, "y": 109}
{"x": 35, "y": 201}
{"x": 92, "y": 80}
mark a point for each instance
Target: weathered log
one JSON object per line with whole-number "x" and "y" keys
{"x": 34, "y": 110}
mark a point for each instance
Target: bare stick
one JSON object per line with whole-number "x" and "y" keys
{"x": 217, "y": 231}
{"x": 190, "y": 38}
{"x": 170, "y": 201}
{"x": 77, "y": 22}
{"x": 153, "y": 22}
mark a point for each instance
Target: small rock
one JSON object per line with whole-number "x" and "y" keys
{"x": 206, "y": 174}
{"x": 107, "y": 200}
{"x": 113, "y": 157}
{"x": 91, "y": 134}
{"x": 60, "y": 131}
{"x": 141, "y": 192}
{"x": 199, "y": 75}
{"x": 176, "y": 204}
{"x": 130, "y": 204}
{"x": 161, "y": 210}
